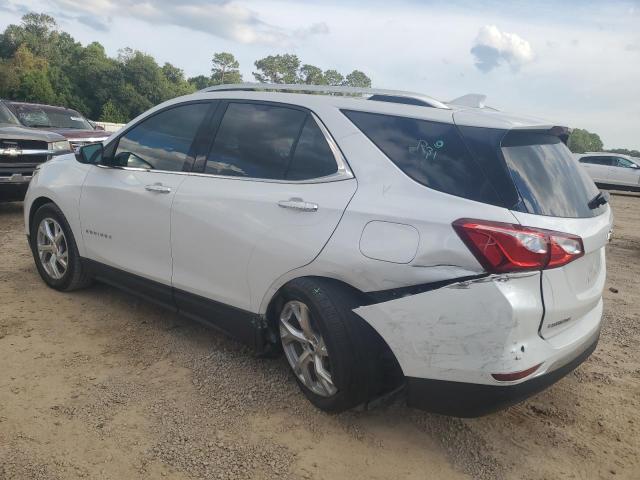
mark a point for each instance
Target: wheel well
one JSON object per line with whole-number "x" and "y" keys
{"x": 35, "y": 205}
{"x": 393, "y": 371}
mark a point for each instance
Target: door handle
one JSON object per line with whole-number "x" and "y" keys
{"x": 158, "y": 188}
{"x": 298, "y": 204}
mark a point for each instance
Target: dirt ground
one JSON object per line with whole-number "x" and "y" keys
{"x": 98, "y": 384}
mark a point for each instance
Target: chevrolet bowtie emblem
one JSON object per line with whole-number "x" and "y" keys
{"x": 12, "y": 152}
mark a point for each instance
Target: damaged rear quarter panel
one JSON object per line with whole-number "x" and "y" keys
{"x": 464, "y": 331}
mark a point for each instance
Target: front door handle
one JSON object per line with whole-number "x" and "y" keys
{"x": 158, "y": 188}
{"x": 298, "y": 204}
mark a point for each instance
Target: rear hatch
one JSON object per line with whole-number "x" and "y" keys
{"x": 556, "y": 194}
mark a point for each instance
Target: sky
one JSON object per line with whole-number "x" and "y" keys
{"x": 573, "y": 62}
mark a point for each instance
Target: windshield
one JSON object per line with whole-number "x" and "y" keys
{"x": 6, "y": 116}
{"x": 41, "y": 116}
{"x": 548, "y": 178}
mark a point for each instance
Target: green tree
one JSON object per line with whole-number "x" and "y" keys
{"x": 199, "y": 82}
{"x": 41, "y": 63}
{"x": 225, "y": 69}
{"x": 111, "y": 113}
{"x": 278, "y": 69}
{"x": 357, "y": 79}
{"x": 625, "y": 151}
{"x": 581, "y": 141}
{"x": 333, "y": 77}
{"x": 311, "y": 75}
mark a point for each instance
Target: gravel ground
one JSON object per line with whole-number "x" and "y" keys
{"x": 98, "y": 384}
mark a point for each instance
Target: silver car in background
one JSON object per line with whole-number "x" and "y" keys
{"x": 612, "y": 170}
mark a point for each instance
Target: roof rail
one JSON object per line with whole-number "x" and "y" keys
{"x": 396, "y": 96}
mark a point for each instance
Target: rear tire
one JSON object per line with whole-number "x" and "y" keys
{"x": 55, "y": 251}
{"x": 335, "y": 356}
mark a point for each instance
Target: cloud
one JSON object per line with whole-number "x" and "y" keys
{"x": 226, "y": 19}
{"x": 94, "y": 22}
{"x": 492, "y": 48}
{"x": 632, "y": 48}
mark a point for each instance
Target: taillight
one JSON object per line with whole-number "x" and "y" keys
{"x": 505, "y": 247}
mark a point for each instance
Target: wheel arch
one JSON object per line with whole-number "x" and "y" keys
{"x": 361, "y": 298}
{"x": 35, "y": 205}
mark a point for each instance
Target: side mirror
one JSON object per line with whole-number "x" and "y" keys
{"x": 98, "y": 127}
{"x": 90, "y": 154}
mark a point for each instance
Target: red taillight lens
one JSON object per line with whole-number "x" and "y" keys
{"x": 505, "y": 247}
{"x": 510, "y": 377}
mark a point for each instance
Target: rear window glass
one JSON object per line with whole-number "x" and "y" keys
{"x": 431, "y": 153}
{"x": 255, "y": 141}
{"x": 549, "y": 179}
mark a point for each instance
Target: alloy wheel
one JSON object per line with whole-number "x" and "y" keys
{"x": 305, "y": 349}
{"x": 53, "y": 251}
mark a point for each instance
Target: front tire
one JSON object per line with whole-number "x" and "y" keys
{"x": 55, "y": 251}
{"x": 332, "y": 352}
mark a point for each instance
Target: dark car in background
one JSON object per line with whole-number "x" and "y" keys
{"x": 69, "y": 123}
{"x": 22, "y": 149}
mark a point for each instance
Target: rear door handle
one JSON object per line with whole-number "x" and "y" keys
{"x": 298, "y": 204}
{"x": 158, "y": 188}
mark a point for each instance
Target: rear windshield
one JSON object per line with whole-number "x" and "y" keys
{"x": 42, "y": 116}
{"x": 548, "y": 178}
{"x": 431, "y": 153}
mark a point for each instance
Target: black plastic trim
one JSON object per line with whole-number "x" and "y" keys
{"x": 474, "y": 400}
{"x": 621, "y": 188}
{"x": 380, "y": 296}
{"x": 247, "y": 327}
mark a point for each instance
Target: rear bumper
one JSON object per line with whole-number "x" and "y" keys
{"x": 473, "y": 400}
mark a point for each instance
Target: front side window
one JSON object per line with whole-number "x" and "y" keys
{"x": 623, "y": 162}
{"x": 162, "y": 141}
{"x": 431, "y": 153}
{"x": 255, "y": 141}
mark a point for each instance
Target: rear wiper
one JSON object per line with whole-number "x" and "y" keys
{"x": 600, "y": 199}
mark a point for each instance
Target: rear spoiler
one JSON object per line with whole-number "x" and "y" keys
{"x": 556, "y": 130}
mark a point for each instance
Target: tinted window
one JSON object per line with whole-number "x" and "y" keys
{"x": 255, "y": 141}
{"x": 431, "y": 153}
{"x": 162, "y": 141}
{"x": 597, "y": 160}
{"x": 547, "y": 176}
{"x": 312, "y": 157}
{"x": 623, "y": 162}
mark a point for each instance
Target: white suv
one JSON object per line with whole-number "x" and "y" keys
{"x": 612, "y": 170}
{"x": 380, "y": 238}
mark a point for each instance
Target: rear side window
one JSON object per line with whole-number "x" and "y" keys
{"x": 312, "y": 157}
{"x": 547, "y": 176}
{"x": 600, "y": 160}
{"x": 431, "y": 153}
{"x": 162, "y": 141}
{"x": 255, "y": 141}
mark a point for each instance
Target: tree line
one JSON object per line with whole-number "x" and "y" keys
{"x": 40, "y": 63}
{"x": 581, "y": 141}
